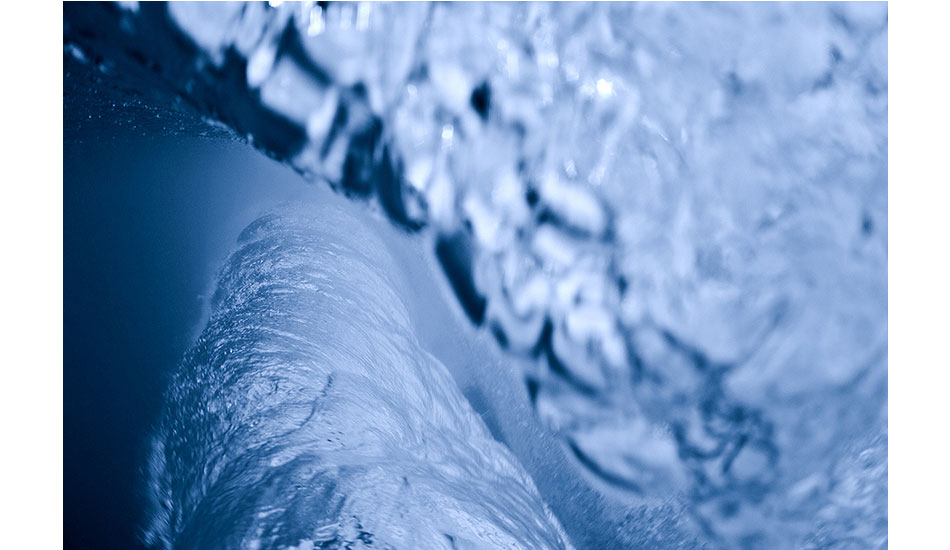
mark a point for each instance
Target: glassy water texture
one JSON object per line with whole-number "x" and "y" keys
{"x": 677, "y": 214}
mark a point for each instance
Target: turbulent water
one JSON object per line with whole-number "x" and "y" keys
{"x": 672, "y": 217}
{"x": 307, "y": 414}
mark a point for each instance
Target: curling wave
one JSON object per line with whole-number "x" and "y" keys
{"x": 308, "y": 415}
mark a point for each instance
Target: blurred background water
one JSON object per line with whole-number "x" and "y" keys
{"x": 672, "y": 219}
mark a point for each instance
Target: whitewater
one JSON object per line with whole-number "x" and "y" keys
{"x": 307, "y": 413}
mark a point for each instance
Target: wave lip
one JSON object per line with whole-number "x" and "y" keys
{"x": 307, "y": 415}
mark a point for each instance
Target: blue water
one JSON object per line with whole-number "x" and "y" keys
{"x": 141, "y": 265}
{"x": 308, "y": 413}
{"x": 614, "y": 276}
{"x": 147, "y": 221}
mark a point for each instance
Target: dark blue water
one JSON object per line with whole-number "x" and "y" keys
{"x": 147, "y": 220}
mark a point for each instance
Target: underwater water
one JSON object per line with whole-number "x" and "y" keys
{"x": 633, "y": 292}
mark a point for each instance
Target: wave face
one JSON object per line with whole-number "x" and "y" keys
{"x": 307, "y": 415}
{"x": 673, "y": 215}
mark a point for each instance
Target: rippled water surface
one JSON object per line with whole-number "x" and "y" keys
{"x": 668, "y": 222}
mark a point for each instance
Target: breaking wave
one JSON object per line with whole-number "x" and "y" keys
{"x": 308, "y": 415}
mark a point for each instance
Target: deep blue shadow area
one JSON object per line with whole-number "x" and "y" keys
{"x": 130, "y": 275}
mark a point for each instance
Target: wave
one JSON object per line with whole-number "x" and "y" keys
{"x": 308, "y": 415}
{"x": 676, "y": 214}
